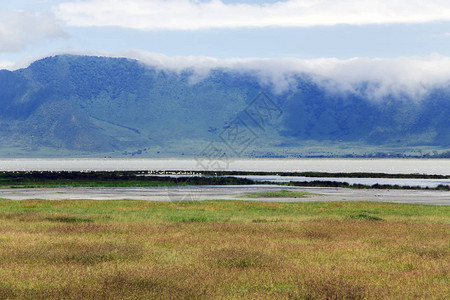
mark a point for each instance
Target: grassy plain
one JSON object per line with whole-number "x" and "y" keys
{"x": 223, "y": 249}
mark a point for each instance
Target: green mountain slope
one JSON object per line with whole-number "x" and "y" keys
{"x": 96, "y": 106}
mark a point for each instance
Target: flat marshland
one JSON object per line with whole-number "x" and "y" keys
{"x": 223, "y": 249}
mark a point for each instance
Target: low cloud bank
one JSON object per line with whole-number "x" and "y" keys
{"x": 373, "y": 78}
{"x": 407, "y": 77}
{"x": 5, "y": 64}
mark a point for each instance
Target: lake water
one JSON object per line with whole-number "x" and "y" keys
{"x": 366, "y": 181}
{"x": 392, "y": 166}
{"x": 431, "y": 183}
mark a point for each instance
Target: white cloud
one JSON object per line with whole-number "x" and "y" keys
{"x": 5, "y": 64}
{"x": 412, "y": 77}
{"x": 192, "y": 15}
{"x": 18, "y": 29}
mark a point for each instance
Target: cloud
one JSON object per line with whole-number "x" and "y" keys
{"x": 405, "y": 77}
{"x": 5, "y": 64}
{"x": 410, "y": 77}
{"x": 18, "y": 29}
{"x": 193, "y": 15}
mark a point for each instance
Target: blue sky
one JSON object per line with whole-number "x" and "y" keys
{"x": 401, "y": 42}
{"x": 67, "y": 31}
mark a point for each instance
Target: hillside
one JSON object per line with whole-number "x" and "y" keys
{"x": 96, "y": 106}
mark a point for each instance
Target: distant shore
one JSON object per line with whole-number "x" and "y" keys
{"x": 275, "y": 165}
{"x": 52, "y": 179}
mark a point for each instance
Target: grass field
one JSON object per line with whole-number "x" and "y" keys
{"x": 223, "y": 249}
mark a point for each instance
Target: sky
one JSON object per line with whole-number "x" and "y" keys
{"x": 388, "y": 40}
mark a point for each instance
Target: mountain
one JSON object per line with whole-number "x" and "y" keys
{"x": 97, "y": 106}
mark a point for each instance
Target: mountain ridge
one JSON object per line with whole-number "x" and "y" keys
{"x": 70, "y": 105}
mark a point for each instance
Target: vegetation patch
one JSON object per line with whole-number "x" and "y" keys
{"x": 430, "y": 252}
{"x": 279, "y": 194}
{"x": 81, "y": 252}
{"x": 241, "y": 258}
{"x": 69, "y": 219}
{"x": 267, "y": 220}
{"x": 334, "y": 288}
{"x": 317, "y": 234}
{"x": 23, "y": 216}
{"x": 189, "y": 219}
{"x": 81, "y": 228}
{"x": 364, "y": 216}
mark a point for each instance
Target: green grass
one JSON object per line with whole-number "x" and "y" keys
{"x": 106, "y": 179}
{"x": 81, "y": 183}
{"x": 364, "y": 216}
{"x": 279, "y": 194}
{"x": 223, "y": 249}
{"x": 143, "y": 179}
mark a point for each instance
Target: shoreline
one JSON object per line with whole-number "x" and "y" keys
{"x": 426, "y": 166}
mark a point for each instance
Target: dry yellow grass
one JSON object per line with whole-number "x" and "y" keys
{"x": 214, "y": 249}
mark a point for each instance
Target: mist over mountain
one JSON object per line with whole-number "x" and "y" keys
{"x": 70, "y": 105}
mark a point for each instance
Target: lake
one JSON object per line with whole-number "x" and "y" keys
{"x": 391, "y": 166}
{"x": 431, "y": 183}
